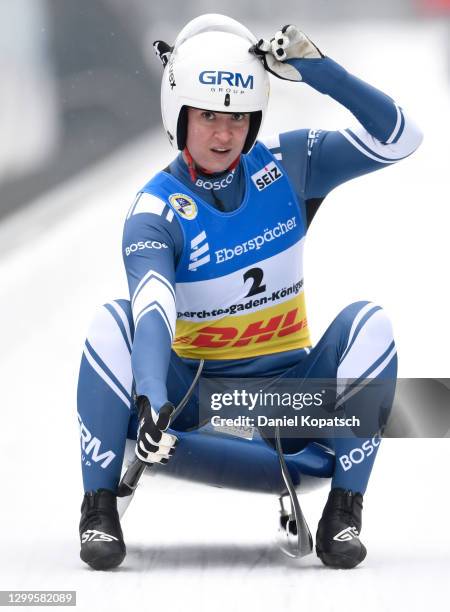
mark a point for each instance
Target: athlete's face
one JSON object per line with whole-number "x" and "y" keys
{"x": 216, "y": 139}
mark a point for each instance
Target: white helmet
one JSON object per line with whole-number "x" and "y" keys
{"x": 210, "y": 67}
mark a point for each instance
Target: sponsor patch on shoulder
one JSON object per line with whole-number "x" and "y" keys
{"x": 266, "y": 176}
{"x": 184, "y": 205}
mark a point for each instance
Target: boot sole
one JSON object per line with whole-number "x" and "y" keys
{"x": 340, "y": 561}
{"x": 104, "y": 562}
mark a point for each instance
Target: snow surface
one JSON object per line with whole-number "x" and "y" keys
{"x": 381, "y": 237}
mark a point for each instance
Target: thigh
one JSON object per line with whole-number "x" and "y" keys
{"x": 324, "y": 359}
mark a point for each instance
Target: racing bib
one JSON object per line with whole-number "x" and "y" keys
{"x": 239, "y": 281}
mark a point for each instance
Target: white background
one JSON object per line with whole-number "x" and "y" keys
{"x": 382, "y": 237}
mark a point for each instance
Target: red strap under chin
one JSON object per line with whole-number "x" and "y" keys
{"x": 193, "y": 171}
{"x": 235, "y": 163}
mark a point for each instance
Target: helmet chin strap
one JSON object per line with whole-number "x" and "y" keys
{"x": 193, "y": 171}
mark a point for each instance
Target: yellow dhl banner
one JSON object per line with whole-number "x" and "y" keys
{"x": 271, "y": 330}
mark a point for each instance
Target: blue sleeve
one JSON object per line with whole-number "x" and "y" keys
{"x": 318, "y": 160}
{"x": 152, "y": 243}
{"x": 376, "y": 111}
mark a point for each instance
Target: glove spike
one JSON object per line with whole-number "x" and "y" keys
{"x": 163, "y": 51}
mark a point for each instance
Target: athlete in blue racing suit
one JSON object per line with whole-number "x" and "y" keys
{"x": 213, "y": 251}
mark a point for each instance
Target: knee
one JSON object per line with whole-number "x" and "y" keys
{"x": 367, "y": 342}
{"x": 381, "y": 325}
{"x": 123, "y": 309}
{"x": 369, "y": 318}
{"x": 107, "y": 357}
{"x": 112, "y": 327}
{"x": 377, "y": 325}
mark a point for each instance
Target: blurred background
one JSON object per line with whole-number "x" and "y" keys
{"x": 79, "y": 79}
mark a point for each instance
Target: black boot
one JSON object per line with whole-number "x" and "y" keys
{"x": 102, "y": 545}
{"x": 337, "y": 541}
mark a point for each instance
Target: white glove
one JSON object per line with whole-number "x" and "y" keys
{"x": 289, "y": 43}
{"x": 152, "y": 444}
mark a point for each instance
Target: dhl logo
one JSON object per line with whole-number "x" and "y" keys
{"x": 277, "y": 326}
